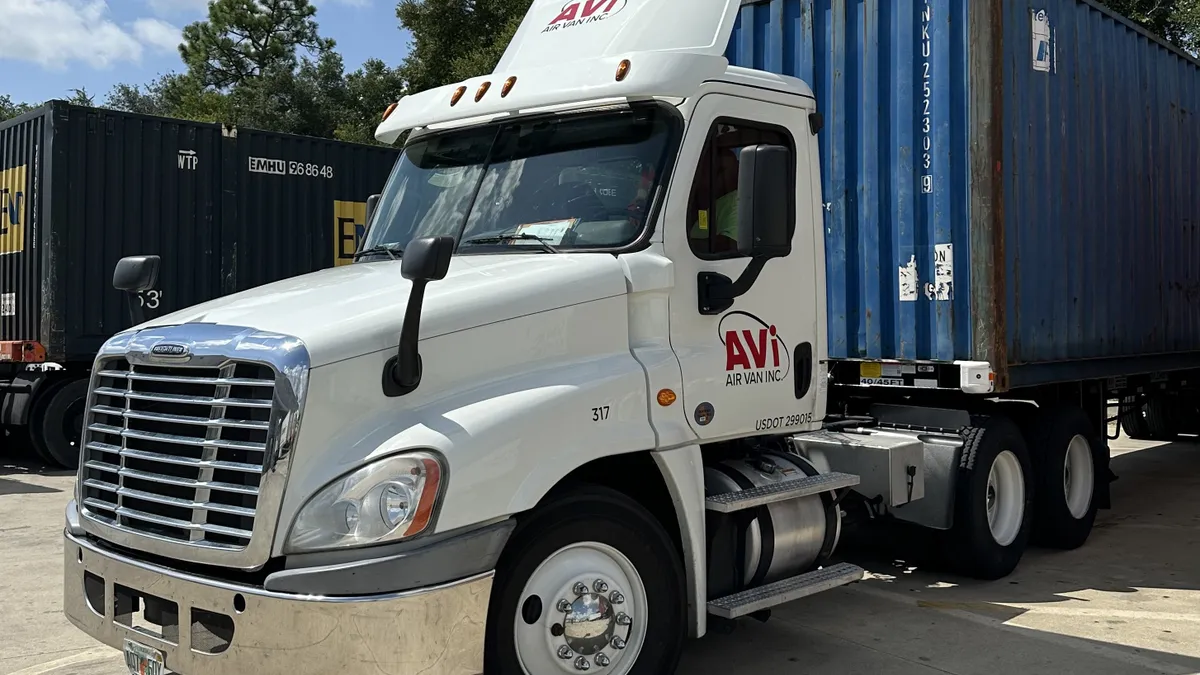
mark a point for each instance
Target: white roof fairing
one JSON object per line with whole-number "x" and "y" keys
{"x": 568, "y": 51}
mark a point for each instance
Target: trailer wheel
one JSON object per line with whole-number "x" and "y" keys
{"x": 58, "y": 424}
{"x": 1067, "y": 452}
{"x": 1133, "y": 420}
{"x": 993, "y": 500}
{"x": 1160, "y": 419}
{"x": 590, "y": 580}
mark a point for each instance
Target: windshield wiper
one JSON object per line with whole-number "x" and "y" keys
{"x": 505, "y": 238}
{"x": 394, "y": 252}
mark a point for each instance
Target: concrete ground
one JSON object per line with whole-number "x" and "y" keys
{"x": 1128, "y": 602}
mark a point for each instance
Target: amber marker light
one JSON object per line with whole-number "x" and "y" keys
{"x": 483, "y": 89}
{"x": 390, "y": 109}
{"x": 458, "y": 94}
{"x": 623, "y": 70}
{"x": 666, "y": 397}
{"x": 508, "y": 85}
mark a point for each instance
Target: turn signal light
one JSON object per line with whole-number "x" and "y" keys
{"x": 458, "y": 94}
{"x": 666, "y": 397}
{"x": 508, "y": 85}
{"x": 623, "y": 70}
{"x": 483, "y": 89}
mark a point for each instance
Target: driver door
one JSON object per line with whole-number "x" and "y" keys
{"x": 750, "y": 368}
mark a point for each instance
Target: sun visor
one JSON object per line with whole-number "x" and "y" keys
{"x": 578, "y": 30}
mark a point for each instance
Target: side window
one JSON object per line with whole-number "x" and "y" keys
{"x": 713, "y": 205}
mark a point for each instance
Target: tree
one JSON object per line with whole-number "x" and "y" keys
{"x": 246, "y": 39}
{"x": 9, "y": 110}
{"x": 369, "y": 91}
{"x": 456, "y": 39}
{"x": 1177, "y": 21}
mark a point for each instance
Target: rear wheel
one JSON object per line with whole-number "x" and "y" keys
{"x": 993, "y": 500}
{"x": 1133, "y": 419}
{"x": 1067, "y": 451}
{"x": 58, "y": 424}
{"x": 1161, "y": 418}
{"x": 590, "y": 580}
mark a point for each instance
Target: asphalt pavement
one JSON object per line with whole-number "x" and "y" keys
{"x": 1126, "y": 603}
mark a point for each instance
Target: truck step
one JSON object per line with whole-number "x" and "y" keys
{"x": 730, "y": 502}
{"x": 785, "y": 590}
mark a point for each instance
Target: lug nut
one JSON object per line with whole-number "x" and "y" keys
{"x": 582, "y": 664}
{"x": 618, "y": 642}
{"x": 617, "y": 598}
{"x": 580, "y": 589}
{"x": 624, "y": 619}
{"x": 600, "y": 586}
{"x": 564, "y": 652}
{"x": 602, "y": 660}
{"x": 564, "y": 606}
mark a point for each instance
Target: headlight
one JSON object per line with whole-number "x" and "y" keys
{"x": 388, "y": 500}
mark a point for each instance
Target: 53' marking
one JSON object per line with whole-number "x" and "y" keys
{"x": 151, "y": 298}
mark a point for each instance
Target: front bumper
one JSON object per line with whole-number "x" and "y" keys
{"x": 217, "y": 628}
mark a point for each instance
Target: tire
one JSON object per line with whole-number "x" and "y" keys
{"x": 576, "y": 538}
{"x": 993, "y": 442}
{"x": 59, "y": 423}
{"x": 1133, "y": 420}
{"x": 1160, "y": 419}
{"x": 37, "y": 412}
{"x": 1067, "y": 458}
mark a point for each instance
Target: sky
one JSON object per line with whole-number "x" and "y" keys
{"x": 50, "y": 47}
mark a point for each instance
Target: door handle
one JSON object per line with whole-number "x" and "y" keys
{"x": 804, "y": 369}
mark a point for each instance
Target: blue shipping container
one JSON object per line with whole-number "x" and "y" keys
{"x": 1005, "y": 180}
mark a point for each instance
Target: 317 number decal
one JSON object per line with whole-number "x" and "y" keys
{"x": 151, "y": 298}
{"x": 600, "y": 414}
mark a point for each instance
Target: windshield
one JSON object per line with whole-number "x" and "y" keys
{"x": 578, "y": 182}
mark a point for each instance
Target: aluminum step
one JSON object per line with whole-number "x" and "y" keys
{"x": 730, "y": 502}
{"x": 785, "y": 590}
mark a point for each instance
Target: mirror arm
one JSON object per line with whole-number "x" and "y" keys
{"x": 717, "y": 291}
{"x": 137, "y": 314}
{"x": 402, "y": 374}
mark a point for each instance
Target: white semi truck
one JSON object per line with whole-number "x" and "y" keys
{"x": 572, "y": 403}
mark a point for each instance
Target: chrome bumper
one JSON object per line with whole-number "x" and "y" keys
{"x": 433, "y": 631}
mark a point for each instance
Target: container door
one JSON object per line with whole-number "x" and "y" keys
{"x": 20, "y": 205}
{"x": 749, "y": 368}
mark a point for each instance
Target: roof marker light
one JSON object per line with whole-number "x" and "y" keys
{"x": 508, "y": 85}
{"x": 623, "y": 70}
{"x": 390, "y": 109}
{"x": 458, "y": 94}
{"x": 483, "y": 89}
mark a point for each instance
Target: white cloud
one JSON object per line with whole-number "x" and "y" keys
{"x": 157, "y": 34}
{"x": 54, "y": 33}
{"x": 163, "y": 7}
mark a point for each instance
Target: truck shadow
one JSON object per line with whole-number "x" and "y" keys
{"x": 1126, "y": 602}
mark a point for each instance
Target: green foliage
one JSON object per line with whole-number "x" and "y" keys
{"x": 456, "y": 39}
{"x": 1177, "y": 21}
{"x": 9, "y": 110}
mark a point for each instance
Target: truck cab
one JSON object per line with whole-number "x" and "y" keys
{"x": 570, "y": 404}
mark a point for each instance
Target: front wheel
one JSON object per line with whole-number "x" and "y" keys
{"x": 589, "y": 580}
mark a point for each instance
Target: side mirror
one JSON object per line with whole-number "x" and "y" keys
{"x": 423, "y": 260}
{"x": 372, "y": 205}
{"x": 766, "y": 201}
{"x": 133, "y": 275}
{"x": 427, "y": 259}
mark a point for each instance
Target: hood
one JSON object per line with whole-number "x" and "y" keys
{"x": 358, "y": 309}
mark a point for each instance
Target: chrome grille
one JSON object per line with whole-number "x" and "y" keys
{"x": 178, "y": 452}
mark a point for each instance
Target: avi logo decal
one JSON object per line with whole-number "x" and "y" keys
{"x": 12, "y": 210}
{"x": 579, "y": 12}
{"x": 754, "y": 351}
{"x": 349, "y": 227}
